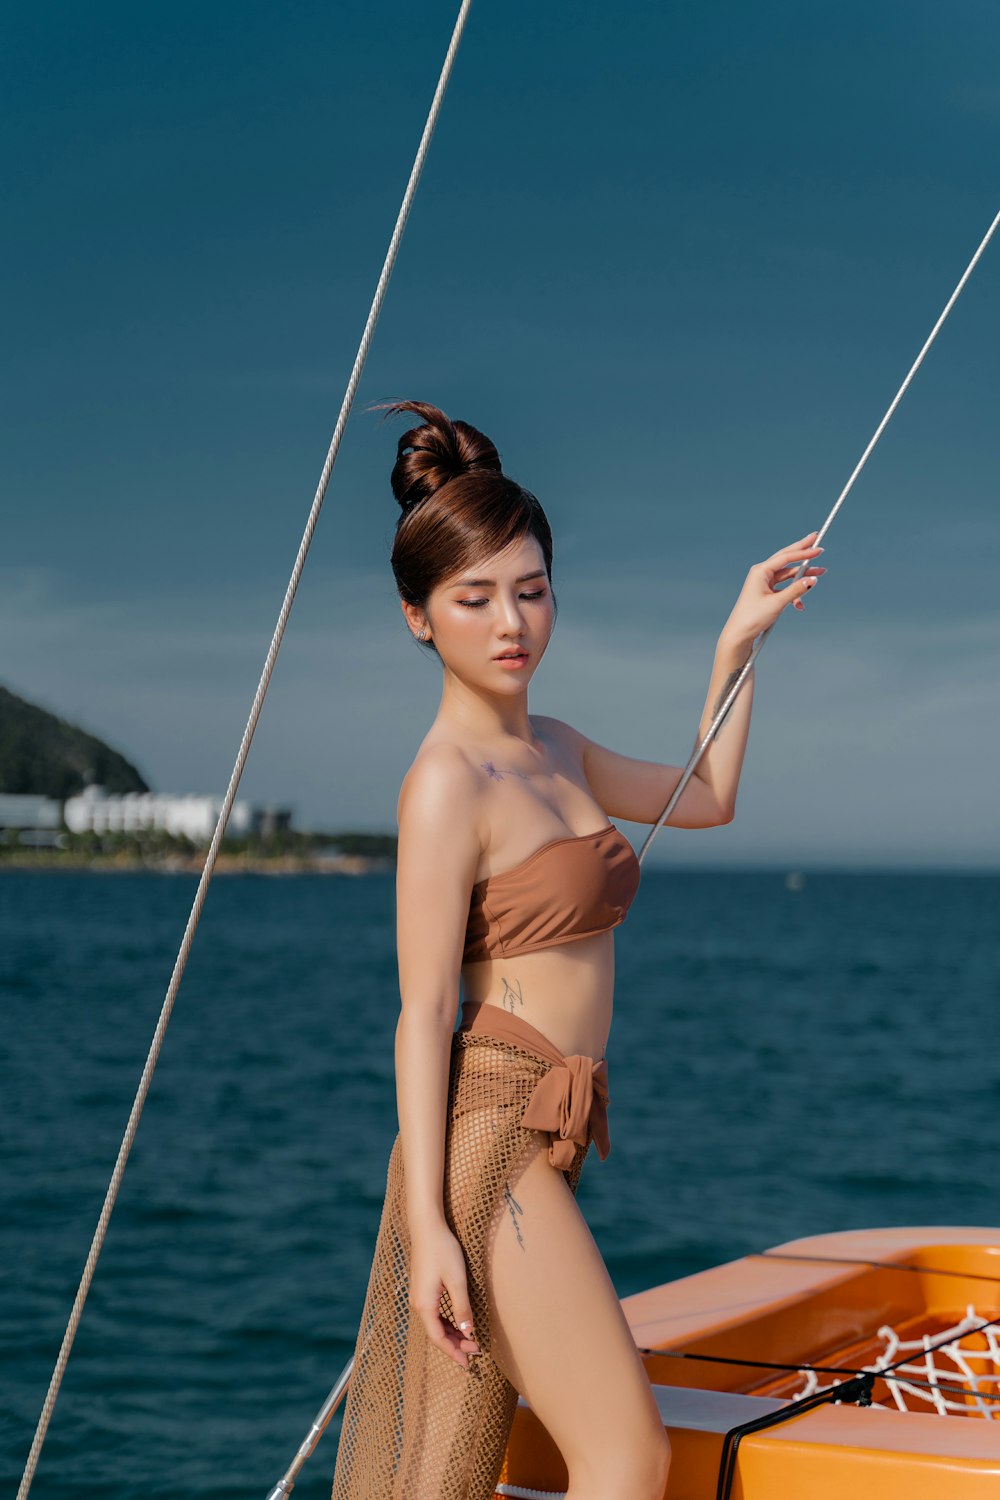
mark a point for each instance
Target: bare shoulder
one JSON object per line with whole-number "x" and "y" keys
{"x": 561, "y": 734}
{"x": 437, "y": 856}
{"x": 441, "y": 792}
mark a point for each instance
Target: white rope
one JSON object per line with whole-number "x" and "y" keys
{"x": 935, "y": 1367}
{"x": 248, "y": 733}
{"x": 747, "y": 667}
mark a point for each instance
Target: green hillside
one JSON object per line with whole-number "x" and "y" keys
{"x": 42, "y": 753}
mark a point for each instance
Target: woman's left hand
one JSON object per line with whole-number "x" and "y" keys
{"x": 760, "y": 603}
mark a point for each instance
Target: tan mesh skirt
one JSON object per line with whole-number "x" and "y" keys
{"x": 417, "y": 1426}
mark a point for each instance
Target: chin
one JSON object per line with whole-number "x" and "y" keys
{"x": 517, "y": 683}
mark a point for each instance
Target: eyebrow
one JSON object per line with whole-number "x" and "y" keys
{"x": 478, "y": 583}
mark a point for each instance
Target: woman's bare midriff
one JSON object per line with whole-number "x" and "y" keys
{"x": 565, "y": 992}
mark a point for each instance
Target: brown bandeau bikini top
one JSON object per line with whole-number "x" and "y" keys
{"x": 570, "y": 888}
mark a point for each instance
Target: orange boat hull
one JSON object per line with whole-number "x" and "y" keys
{"x": 820, "y": 1300}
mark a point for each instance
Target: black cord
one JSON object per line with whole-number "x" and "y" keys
{"x": 888, "y": 1265}
{"x": 859, "y": 1389}
{"x": 768, "y": 1364}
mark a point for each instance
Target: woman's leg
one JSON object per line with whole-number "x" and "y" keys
{"x": 560, "y": 1336}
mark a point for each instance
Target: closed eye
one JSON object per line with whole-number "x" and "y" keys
{"x": 478, "y": 603}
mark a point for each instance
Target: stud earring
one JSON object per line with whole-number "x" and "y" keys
{"x": 421, "y": 633}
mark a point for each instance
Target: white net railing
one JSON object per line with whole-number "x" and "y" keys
{"x": 959, "y": 1377}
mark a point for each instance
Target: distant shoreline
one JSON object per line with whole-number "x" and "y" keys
{"x": 55, "y": 862}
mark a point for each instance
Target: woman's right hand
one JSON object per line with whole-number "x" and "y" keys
{"x": 437, "y": 1265}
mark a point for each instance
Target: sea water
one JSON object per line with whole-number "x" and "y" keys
{"x": 787, "y": 1057}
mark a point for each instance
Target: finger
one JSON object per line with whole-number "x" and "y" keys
{"x": 785, "y": 554}
{"x": 459, "y": 1298}
{"x": 807, "y": 541}
{"x": 443, "y": 1335}
{"x": 794, "y": 585}
{"x": 799, "y": 588}
{"x": 789, "y": 555}
{"x": 786, "y": 572}
{"x": 468, "y": 1336}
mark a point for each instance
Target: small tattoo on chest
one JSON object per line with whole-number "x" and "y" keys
{"x": 496, "y": 775}
{"x": 511, "y": 992}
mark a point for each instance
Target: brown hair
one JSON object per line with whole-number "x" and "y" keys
{"x": 458, "y": 505}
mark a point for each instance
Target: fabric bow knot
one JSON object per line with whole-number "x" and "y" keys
{"x": 572, "y": 1094}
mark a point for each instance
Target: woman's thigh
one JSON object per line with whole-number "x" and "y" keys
{"x": 558, "y": 1330}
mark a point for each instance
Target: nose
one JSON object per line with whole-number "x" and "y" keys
{"x": 510, "y": 619}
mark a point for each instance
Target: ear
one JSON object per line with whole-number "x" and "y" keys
{"x": 415, "y": 617}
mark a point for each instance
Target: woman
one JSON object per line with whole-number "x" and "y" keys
{"x": 486, "y": 1281}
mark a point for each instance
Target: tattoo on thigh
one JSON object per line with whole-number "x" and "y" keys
{"x": 515, "y": 1209}
{"x": 511, "y": 992}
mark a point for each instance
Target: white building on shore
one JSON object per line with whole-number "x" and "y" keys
{"x": 38, "y": 819}
{"x": 191, "y": 814}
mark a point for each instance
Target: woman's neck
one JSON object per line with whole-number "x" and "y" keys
{"x": 486, "y": 715}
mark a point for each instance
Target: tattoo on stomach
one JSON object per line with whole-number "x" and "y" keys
{"x": 511, "y": 992}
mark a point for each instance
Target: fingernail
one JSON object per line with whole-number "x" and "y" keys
{"x": 466, "y": 1324}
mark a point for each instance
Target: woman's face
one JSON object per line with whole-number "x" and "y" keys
{"x": 491, "y": 623}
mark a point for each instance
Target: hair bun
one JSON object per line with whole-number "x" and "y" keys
{"x": 429, "y": 457}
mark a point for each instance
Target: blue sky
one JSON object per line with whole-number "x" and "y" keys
{"x": 674, "y": 260}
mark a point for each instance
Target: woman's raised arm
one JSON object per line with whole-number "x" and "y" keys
{"x": 639, "y": 790}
